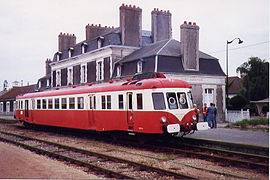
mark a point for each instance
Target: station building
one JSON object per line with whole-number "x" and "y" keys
{"x": 115, "y": 53}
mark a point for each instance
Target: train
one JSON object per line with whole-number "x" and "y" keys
{"x": 147, "y": 104}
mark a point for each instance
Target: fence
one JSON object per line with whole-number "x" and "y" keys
{"x": 236, "y": 115}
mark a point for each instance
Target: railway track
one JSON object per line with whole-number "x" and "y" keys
{"x": 225, "y": 154}
{"x": 108, "y": 165}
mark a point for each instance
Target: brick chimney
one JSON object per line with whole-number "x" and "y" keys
{"x": 131, "y": 25}
{"x": 66, "y": 41}
{"x": 190, "y": 45}
{"x": 93, "y": 31}
{"x": 47, "y": 66}
{"x": 161, "y": 25}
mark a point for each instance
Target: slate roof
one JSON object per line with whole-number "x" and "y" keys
{"x": 110, "y": 38}
{"x": 168, "y": 47}
{"x": 235, "y": 85}
{"x": 15, "y": 91}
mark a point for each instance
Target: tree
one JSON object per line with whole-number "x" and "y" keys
{"x": 255, "y": 78}
{"x": 237, "y": 102}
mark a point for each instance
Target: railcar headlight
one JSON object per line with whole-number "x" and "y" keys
{"x": 163, "y": 119}
{"x": 194, "y": 117}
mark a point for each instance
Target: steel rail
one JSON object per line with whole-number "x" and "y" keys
{"x": 138, "y": 166}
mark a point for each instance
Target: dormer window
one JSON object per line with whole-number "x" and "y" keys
{"x": 139, "y": 66}
{"x": 100, "y": 41}
{"x": 58, "y": 56}
{"x": 84, "y": 47}
{"x": 118, "y": 71}
{"x": 70, "y": 52}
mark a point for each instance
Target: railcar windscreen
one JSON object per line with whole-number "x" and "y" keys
{"x": 172, "y": 101}
{"x": 183, "y": 104}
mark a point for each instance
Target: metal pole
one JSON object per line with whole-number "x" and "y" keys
{"x": 227, "y": 74}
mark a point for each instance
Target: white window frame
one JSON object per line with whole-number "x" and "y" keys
{"x": 70, "y": 50}
{"x": 1, "y": 107}
{"x": 207, "y": 87}
{"x": 84, "y": 47}
{"x": 58, "y": 77}
{"x": 118, "y": 71}
{"x": 139, "y": 66}
{"x": 58, "y": 55}
{"x": 70, "y": 75}
{"x": 100, "y": 70}
{"x": 83, "y": 73}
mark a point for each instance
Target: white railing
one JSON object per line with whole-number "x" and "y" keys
{"x": 236, "y": 115}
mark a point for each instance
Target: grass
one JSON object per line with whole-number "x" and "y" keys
{"x": 254, "y": 124}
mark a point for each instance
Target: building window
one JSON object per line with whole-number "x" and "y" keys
{"x": 70, "y": 76}
{"x": 118, "y": 71}
{"x": 70, "y": 52}
{"x": 58, "y": 77}
{"x": 139, "y": 66}
{"x": 83, "y": 74}
{"x": 84, "y": 47}
{"x": 100, "y": 72}
{"x": 58, "y": 56}
{"x": 100, "y": 41}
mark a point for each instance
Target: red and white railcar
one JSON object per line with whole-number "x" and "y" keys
{"x": 155, "y": 105}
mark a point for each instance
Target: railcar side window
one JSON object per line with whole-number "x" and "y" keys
{"x": 139, "y": 101}
{"x": 103, "y": 102}
{"x": 64, "y": 103}
{"x": 130, "y": 101}
{"x": 80, "y": 103}
{"x": 109, "y": 104}
{"x": 121, "y": 101}
{"x": 50, "y": 103}
{"x": 158, "y": 101}
{"x": 172, "y": 101}
{"x": 92, "y": 102}
{"x": 33, "y": 104}
{"x": 182, "y": 100}
{"x": 190, "y": 99}
{"x": 72, "y": 103}
{"x": 44, "y": 103}
{"x": 38, "y": 104}
{"x": 56, "y": 103}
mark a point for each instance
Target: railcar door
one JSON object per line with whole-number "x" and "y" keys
{"x": 27, "y": 109}
{"x": 130, "y": 113}
{"x": 92, "y": 107}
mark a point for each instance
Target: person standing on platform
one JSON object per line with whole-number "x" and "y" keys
{"x": 211, "y": 115}
{"x": 204, "y": 112}
{"x": 215, "y": 117}
{"x": 197, "y": 111}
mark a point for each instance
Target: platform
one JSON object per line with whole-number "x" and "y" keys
{"x": 234, "y": 135}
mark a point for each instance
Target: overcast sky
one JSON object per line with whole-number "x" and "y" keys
{"x": 29, "y": 29}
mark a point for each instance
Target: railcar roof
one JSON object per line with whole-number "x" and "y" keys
{"x": 113, "y": 86}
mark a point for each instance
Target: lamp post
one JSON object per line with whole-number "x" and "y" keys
{"x": 227, "y": 66}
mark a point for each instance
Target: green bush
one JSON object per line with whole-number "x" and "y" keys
{"x": 253, "y": 122}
